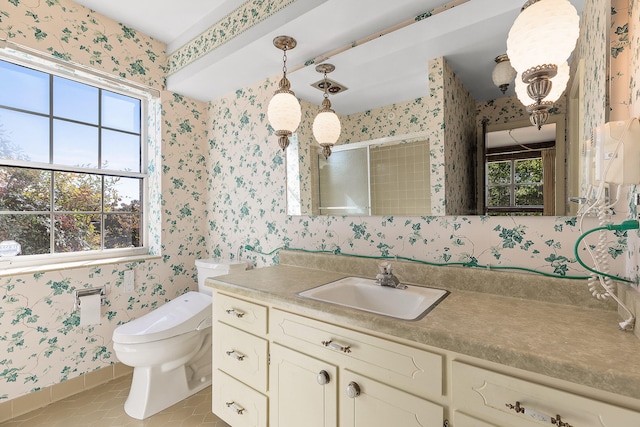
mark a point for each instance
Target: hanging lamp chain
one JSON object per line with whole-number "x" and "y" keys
{"x": 326, "y": 86}
{"x": 284, "y": 60}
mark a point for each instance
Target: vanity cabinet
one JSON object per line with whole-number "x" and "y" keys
{"x": 373, "y": 382}
{"x": 275, "y": 366}
{"x": 503, "y": 400}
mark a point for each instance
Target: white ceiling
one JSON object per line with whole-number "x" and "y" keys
{"x": 390, "y": 68}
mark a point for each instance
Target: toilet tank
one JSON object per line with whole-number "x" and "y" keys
{"x": 213, "y": 267}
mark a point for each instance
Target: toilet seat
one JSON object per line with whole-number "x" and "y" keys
{"x": 186, "y": 313}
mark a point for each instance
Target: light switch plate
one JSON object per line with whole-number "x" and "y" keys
{"x": 128, "y": 281}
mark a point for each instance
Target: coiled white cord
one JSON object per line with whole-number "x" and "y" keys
{"x": 600, "y": 258}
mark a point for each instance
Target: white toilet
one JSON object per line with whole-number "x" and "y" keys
{"x": 170, "y": 347}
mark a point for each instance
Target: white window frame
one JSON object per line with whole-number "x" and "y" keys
{"x": 150, "y": 163}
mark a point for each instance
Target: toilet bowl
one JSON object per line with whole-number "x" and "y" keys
{"x": 170, "y": 347}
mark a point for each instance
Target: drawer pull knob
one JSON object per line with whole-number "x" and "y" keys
{"x": 232, "y": 311}
{"x": 338, "y": 347}
{"x": 353, "y": 390}
{"x": 323, "y": 377}
{"x": 235, "y": 407}
{"x": 238, "y": 356}
{"x": 557, "y": 420}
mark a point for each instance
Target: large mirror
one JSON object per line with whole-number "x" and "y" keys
{"x": 431, "y": 79}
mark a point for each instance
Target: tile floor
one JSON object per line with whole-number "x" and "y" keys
{"x": 103, "y": 406}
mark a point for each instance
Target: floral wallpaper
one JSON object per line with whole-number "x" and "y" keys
{"x": 459, "y": 144}
{"x": 235, "y": 23}
{"x": 593, "y": 47}
{"x": 634, "y": 47}
{"x": 223, "y": 187}
{"x": 41, "y": 341}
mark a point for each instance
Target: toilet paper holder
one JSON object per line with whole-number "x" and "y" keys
{"x": 78, "y": 293}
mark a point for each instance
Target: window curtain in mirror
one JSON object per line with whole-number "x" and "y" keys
{"x": 548, "y": 180}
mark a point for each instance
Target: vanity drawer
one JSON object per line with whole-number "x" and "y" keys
{"x": 241, "y": 355}
{"x": 405, "y": 367}
{"x": 486, "y": 394}
{"x": 245, "y": 315}
{"x": 237, "y": 404}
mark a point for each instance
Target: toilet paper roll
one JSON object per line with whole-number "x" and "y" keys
{"x": 90, "y": 310}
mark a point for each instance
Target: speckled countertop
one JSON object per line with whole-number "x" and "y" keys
{"x": 572, "y": 343}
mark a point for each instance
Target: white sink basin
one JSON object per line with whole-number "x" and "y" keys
{"x": 365, "y": 294}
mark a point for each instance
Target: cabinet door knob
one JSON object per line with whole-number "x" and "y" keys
{"x": 323, "y": 377}
{"x": 353, "y": 390}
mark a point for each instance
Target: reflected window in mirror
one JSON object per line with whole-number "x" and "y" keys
{"x": 521, "y": 175}
{"x": 515, "y": 181}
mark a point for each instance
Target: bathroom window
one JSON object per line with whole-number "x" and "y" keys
{"x": 73, "y": 180}
{"x": 515, "y": 185}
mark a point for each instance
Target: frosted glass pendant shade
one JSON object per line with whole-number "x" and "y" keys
{"x": 503, "y": 73}
{"x": 558, "y": 85}
{"x": 284, "y": 112}
{"x": 544, "y": 33}
{"x": 326, "y": 128}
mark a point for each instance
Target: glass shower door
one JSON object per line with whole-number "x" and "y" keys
{"x": 344, "y": 183}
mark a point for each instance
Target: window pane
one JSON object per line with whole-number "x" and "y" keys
{"x": 120, "y": 112}
{"x": 122, "y": 194}
{"x": 499, "y": 172}
{"x": 24, "y": 189}
{"x": 77, "y": 192}
{"x": 24, "y": 136}
{"x": 31, "y": 231}
{"x": 528, "y": 171}
{"x": 76, "y": 101}
{"x": 77, "y": 232}
{"x": 24, "y": 88}
{"x": 122, "y": 230}
{"x": 120, "y": 151}
{"x": 75, "y": 144}
{"x": 529, "y": 195}
{"x": 498, "y": 196}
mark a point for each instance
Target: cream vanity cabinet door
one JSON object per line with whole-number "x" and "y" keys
{"x": 506, "y": 401}
{"x": 303, "y": 390}
{"x": 368, "y": 403}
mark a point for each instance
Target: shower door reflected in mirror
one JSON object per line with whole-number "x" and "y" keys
{"x": 344, "y": 183}
{"x": 390, "y": 178}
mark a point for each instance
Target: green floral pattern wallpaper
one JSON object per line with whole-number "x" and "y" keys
{"x": 41, "y": 342}
{"x": 223, "y": 187}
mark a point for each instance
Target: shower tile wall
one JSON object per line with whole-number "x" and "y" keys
{"x": 400, "y": 179}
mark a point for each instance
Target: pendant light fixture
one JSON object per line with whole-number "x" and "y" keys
{"x": 542, "y": 38}
{"x": 503, "y": 73}
{"x": 539, "y": 112}
{"x": 326, "y": 125}
{"x": 284, "y": 111}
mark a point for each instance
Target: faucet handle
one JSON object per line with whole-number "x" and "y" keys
{"x": 384, "y": 267}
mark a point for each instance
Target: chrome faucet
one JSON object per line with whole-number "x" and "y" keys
{"x": 387, "y": 278}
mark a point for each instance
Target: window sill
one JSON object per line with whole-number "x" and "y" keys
{"x": 32, "y": 269}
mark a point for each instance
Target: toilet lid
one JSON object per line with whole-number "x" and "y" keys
{"x": 179, "y": 316}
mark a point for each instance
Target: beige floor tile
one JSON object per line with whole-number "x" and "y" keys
{"x": 103, "y": 406}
